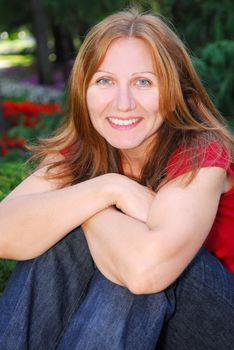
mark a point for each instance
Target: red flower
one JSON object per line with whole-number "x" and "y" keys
{"x": 28, "y": 123}
{"x": 11, "y": 142}
{"x": 3, "y": 151}
{"x": 13, "y": 110}
{"x": 21, "y": 142}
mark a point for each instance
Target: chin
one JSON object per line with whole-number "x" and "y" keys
{"x": 124, "y": 145}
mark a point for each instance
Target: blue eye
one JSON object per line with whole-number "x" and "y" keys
{"x": 143, "y": 82}
{"x": 104, "y": 81}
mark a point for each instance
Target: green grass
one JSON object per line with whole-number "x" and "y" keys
{"x": 16, "y": 46}
{"x": 11, "y": 174}
{"x": 16, "y": 52}
{"x": 15, "y": 60}
{"x": 6, "y": 267}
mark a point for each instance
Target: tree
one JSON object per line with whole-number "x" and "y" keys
{"x": 207, "y": 28}
{"x": 40, "y": 31}
{"x": 13, "y": 14}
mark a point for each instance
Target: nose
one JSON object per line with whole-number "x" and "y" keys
{"x": 124, "y": 100}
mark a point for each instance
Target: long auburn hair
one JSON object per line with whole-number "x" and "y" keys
{"x": 190, "y": 118}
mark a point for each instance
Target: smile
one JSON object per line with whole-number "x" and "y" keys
{"x": 121, "y": 123}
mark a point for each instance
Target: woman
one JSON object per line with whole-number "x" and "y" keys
{"x": 145, "y": 164}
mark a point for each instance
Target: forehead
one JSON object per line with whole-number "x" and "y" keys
{"x": 127, "y": 54}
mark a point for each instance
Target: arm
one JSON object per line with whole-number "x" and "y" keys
{"x": 148, "y": 257}
{"x": 37, "y": 214}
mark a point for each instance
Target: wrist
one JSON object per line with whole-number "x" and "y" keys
{"x": 113, "y": 185}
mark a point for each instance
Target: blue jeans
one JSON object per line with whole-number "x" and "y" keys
{"x": 111, "y": 317}
{"x": 59, "y": 301}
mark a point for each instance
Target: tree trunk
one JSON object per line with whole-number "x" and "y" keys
{"x": 64, "y": 49}
{"x": 40, "y": 30}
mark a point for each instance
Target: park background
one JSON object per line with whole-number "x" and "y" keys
{"x": 39, "y": 40}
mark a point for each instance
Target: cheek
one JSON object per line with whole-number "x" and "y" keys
{"x": 91, "y": 101}
{"x": 150, "y": 102}
{"x": 95, "y": 107}
{"x": 97, "y": 100}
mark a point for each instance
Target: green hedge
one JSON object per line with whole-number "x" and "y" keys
{"x": 11, "y": 174}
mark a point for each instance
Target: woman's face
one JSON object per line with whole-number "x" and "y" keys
{"x": 123, "y": 96}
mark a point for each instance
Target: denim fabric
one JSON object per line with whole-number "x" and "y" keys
{"x": 42, "y": 295}
{"x": 204, "y": 314}
{"x": 113, "y": 318}
{"x": 58, "y": 301}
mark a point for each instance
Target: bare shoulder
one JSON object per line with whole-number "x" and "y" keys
{"x": 36, "y": 182}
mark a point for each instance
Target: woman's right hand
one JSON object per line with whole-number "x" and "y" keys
{"x": 130, "y": 197}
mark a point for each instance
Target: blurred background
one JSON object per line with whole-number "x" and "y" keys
{"x": 39, "y": 40}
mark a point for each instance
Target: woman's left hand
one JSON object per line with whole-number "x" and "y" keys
{"x": 132, "y": 198}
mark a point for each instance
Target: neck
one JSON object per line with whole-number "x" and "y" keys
{"x": 132, "y": 163}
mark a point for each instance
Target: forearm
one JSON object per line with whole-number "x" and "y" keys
{"x": 147, "y": 258}
{"x": 118, "y": 244}
{"x": 31, "y": 224}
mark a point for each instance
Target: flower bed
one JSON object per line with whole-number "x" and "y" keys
{"x": 28, "y": 91}
{"x": 26, "y": 121}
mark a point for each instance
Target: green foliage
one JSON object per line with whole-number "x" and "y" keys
{"x": 77, "y": 17}
{"x": 13, "y": 14}
{"x": 207, "y": 28}
{"x": 16, "y": 46}
{"x": 6, "y": 267}
{"x": 215, "y": 66}
{"x": 201, "y": 22}
{"x": 11, "y": 174}
{"x": 46, "y": 125}
{"x": 16, "y": 60}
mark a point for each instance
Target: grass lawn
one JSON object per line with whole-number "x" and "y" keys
{"x": 7, "y": 61}
{"x": 16, "y": 45}
{"x": 16, "y": 52}
{"x": 11, "y": 174}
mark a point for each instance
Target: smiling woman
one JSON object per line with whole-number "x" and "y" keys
{"x": 122, "y": 97}
{"x": 144, "y": 163}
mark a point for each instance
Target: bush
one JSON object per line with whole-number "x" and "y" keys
{"x": 26, "y": 122}
{"x": 6, "y": 267}
{"x": 11, "y": 174}
{"x": 215, "y": 66}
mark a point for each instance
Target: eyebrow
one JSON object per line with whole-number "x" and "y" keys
{"x": 137, "y": 73}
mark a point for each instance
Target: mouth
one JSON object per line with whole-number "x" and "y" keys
{"x": 124, "y": 123}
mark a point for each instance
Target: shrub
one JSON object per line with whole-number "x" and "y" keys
{"x": 11, "y": 174}
{"x": 6, "y": 267}
{"x": 26, "y": 122}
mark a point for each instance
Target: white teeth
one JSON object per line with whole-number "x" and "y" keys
{"x": 123, "y": 122}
